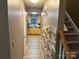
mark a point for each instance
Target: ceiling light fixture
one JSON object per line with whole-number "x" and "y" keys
{"x": 34, "y": 1}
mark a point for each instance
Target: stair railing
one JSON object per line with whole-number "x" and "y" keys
{"x": 65, "y": 46}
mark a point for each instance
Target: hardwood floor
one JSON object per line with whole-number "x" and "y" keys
{"x": 33, "y": 48}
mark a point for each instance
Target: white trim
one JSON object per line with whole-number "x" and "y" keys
{"x": 71, "y": 21}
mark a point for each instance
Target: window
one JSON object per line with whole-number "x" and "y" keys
{"x": 33, "y": 20}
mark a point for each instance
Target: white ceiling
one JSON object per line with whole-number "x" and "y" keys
{"x": 29, "y": 6}
{"x": 41, "y": 5}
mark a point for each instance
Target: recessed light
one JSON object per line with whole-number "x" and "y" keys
{"x": 34, "y": 1}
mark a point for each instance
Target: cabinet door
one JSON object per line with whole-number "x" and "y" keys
{"x": 16, "y": 29}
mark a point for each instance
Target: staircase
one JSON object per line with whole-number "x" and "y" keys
{"x": 70, "y": 39}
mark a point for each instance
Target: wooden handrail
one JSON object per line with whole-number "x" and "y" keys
{"x": 65, "y": 45}
{"x": 64, "y": 41}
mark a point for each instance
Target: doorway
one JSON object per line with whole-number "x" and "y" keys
{"x": 41, "y": 28}
{"x": 33, "y": 24}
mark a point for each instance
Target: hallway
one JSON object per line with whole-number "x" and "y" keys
{"x": 33, "y": 47}
{"x": 33, "y": 28}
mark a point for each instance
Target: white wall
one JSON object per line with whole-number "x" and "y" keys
{"x": 51, "y": 9}
{"x": 25, "y": 22}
